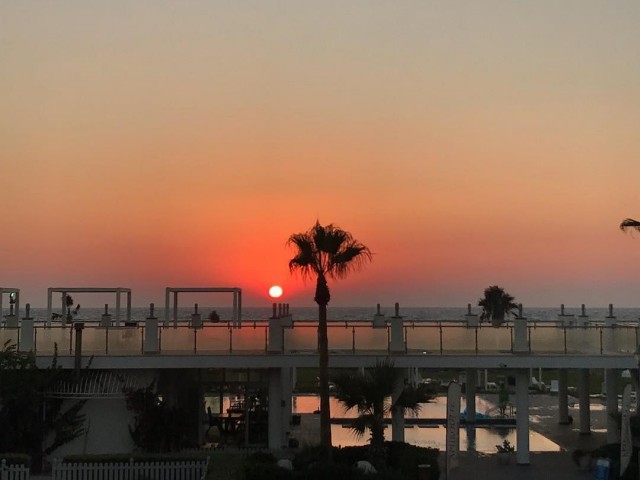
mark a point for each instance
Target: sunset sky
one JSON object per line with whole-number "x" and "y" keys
{"x": 147, "y": 144}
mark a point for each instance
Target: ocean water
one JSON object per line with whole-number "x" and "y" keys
{"x": 342, "y": 314}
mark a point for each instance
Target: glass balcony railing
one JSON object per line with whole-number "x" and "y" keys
{"x": 446, "y": 338}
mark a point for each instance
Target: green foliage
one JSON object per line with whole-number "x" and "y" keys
{"x": 368, "y": 393}
{"x": 496, "y": 303}
{"x": 28, "y": 418}
{"x": 136, "y": 457}
{"x": 406, "y": 458}
{"x": 402, "y": 462}
{"x": 505, "y": 447}
{"x": 157, "y": 427}
{"x": 16, "y": 459}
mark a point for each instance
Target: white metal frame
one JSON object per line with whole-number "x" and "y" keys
{"x": 4, "y": 290}
{"x": 237, "y": 301}
{"x": 65, "y": 290}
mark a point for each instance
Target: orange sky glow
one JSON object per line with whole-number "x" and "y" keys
{"x": 151, "y": 144}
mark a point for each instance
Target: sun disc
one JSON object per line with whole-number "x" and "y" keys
{"x": 275, "y": 291}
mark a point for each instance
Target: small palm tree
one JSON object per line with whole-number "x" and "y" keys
{"x": 496, "y": 304}
{"x": 325, "y": 252}
{"x": 369, "y": 392}
{"x": 629, "y": 223}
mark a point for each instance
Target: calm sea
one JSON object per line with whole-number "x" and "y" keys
{"x": 341, "y": 314}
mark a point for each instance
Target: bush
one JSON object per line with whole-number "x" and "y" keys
{"x": 406, "y": 458}
{"x": 16, "y": 459}
{"x": 402, "y": 462}
{"x": 136, "y": 457}
{"x": 612, "y": 452}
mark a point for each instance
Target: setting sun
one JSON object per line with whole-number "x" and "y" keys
{"x": 275, "y": 291}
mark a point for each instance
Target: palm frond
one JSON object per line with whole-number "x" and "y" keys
{"x": 629, "y": 223}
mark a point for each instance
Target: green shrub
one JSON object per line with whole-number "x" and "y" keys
{"x": 336, "y": 471}
{"x": 136, "y": 457}
{"x": 406, "y": 458}
{"x": 265, "y": 471}
{"x": 16, "y": 459}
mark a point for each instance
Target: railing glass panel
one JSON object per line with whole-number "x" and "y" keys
{"x": 302, "y": 337}
{"x": 340, "y": 337}
{"x": 213, "y": 338}
{"x": 8, "y": 334}
{"x": 619, "y": 339}
{"x": 546, "y": 339}
{"x": 371, "y": 339}
{"x": 125, "y": 340}
{"x": 494, "y": 339}
{"x": 94, "y": 340}
{"x": 249, "y": 338}
{"x": 423, "y": 338}
{"x": 458, "y": 339}
{"x": 47, "y": 337}
{"x": 583, "y": 340}
{"x": 177, "y": 339}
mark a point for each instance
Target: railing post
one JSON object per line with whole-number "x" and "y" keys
{"x": 378, "y": 319}
{"x": 397, "y": 332}
{"x": 26, "y": 332}
{"x": 151, "y": 339}
{"x": 353, "y": 339}
{"x": 471, "y": 318}
{"x": 520, "y": 341}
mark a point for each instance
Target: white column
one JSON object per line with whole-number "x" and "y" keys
{"x": 239, "y": 319}
{"x": 118, "y": 307}
{"x": 611, "y": 387}
{"x": 49, "y": 309}
{"x": 151, "y": 332}
{"x": 585, "y": 404}
{"x": 275, "y": 409}
{"x": 522, "y": 417}
{"x": 166, "y": 307}
{"x": 563, "y": 398}
{"x": 287, "y": 392}
{"x": 397, "y": 416}
{"x": 470, "y": 395}
{"x": 26, "y": 332}
{"x": 175, "y": 309}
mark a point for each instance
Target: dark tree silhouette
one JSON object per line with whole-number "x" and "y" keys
{"x": 325, "y": 252}
{"x": 628, "y": 223}
{"x": 496, "y": 303}
{"x": 369, "y": 392}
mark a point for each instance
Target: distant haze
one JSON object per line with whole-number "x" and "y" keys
{"x": 151, "y": 143}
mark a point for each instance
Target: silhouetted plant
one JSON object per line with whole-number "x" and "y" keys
{"x": 157, "y": 427}
{"x": 33, "y": 421}
{"x": 369, "y": 392}
{"x": 325, "y": 252}
{"x": 496, "y": 304}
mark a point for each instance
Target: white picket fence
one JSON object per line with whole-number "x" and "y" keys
{"x": 13, "y": 472}
{"x": 187, "y": 470}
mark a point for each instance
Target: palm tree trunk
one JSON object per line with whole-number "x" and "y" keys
{"x": 325, "y": 412}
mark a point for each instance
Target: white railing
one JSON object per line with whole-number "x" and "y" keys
{"x": 178, "y": 470}
{"x": 13, "y": 472}
{"x": 255, "y": 338}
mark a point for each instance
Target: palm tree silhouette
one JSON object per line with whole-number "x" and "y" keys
{"x": 325, "y": 252}
{"x": 629, "y": 223}
{"x": 496, "y": 303}
{"x": 369, "y": 393}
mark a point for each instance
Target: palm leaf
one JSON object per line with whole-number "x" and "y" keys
{"x": 629, "y": 223}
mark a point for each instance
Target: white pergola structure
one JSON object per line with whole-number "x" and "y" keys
{"x": 173, "y": 291}
{"x": 16, "y": 295}
{"x": 65, "y": 290}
